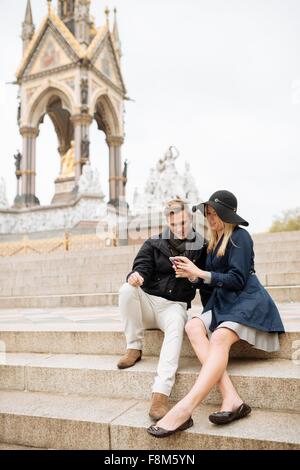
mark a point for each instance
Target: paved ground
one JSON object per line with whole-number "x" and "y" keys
{"x": 98, "y": 318}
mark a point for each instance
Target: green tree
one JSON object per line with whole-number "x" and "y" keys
{"x": 290, "y": 220}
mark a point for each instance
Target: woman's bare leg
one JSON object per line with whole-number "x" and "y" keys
{"x": 196, "y": 332}
{"x": 212, "y": 370}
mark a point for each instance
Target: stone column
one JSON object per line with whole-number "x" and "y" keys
{"x": 116, "y": 179}
{"x": 82, "y": 124}
{"x": 28, "y": 167}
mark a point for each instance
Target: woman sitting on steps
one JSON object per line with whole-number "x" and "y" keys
{"x": 238, "y": 308}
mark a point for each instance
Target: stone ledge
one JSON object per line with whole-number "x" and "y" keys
{"x": 72, "y": 422}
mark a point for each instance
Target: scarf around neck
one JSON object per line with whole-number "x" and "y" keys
{"x": 178, "y": 246}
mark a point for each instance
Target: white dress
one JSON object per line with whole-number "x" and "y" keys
{"x": 259, "y": 339}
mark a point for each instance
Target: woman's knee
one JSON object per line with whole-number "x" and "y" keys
{"x": 195, "y": 328}
{"x": 223, "y": 337}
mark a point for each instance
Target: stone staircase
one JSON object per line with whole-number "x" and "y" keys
{"x": 277, "y": 262}
{"x": 60, "y": 389}
{"x": 59, "y": 384}
{"x": 93, "y": 278}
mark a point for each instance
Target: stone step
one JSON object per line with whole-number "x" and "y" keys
{"x": 68, "y": 255}
{"x": 89, "y": 299}
{"x": 267, "y": 256}
{"x": 268, "y": 237}
{"x": 11, "y": 282}
{"x": 262, "y": 429}
{"x": 109, "y": 271}
{"x": 72, "y": 422}
{"x": 284, "y": 293}
{"x": 80, "y": 259}
{"x": 99, "y": 295}
{"x": 80, "y": 276}
{"x": 279, "y": 294}
{"x": 280, "y": 245}
{"x": 95, "y": 294}
{"x": 11, "y": 447}
{"x": 65, "y": 277}
{"x": 62, "y": 289}
{"x": 58, "y": 422}
{"x": 84, "y": 260}
{"x": 62, "y": 270}
{"x": 278, "y": 267}
{"x": 107, "y": 338}
{"x": 270, "y": 381}
{"x": 98, "y": 279}
{"x": 94, "y": 283}
{"x": 38, "y": 299}
{"x": 283, "y": 279}
{"x": 64, "y": 300}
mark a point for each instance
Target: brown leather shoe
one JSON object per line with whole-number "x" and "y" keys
{"x": 159, "y": 406}
{"x": 130, "y": 358}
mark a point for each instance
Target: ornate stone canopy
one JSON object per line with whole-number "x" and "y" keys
{"x": 70, "y": 71}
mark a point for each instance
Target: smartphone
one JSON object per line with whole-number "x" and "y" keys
{"x": 173, "y": 261}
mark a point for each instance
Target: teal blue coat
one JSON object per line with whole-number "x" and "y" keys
{"x": 237, "y": 295}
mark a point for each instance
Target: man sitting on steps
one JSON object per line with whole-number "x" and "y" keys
{"x": 152, "y": 298}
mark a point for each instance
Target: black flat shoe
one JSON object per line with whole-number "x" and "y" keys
{"x": 160, "y": 432}
{"x": 225, "y": 417}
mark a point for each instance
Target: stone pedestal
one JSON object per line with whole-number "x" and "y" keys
{"x": 62, "y": 216}
{"x": 64, "y": 190}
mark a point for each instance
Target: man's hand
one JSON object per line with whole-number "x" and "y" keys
{"x": 136, "y": 280}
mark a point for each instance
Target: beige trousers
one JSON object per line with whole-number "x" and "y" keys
{"x": 141, "y": 311}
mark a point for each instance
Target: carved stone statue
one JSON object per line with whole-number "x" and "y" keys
{"x": 18, "y": 159}
{"x": 84, "y": 89}
{"x": 165, "y": 182}
{"x": 168, "y": 160}
{"x": 85, "y": 147}
{"x": 89, "y": 182}
{"x": 192, "y": 193}
{"x": 125, "y": 171}
{"x": 19, "y": 114}
{"x": 68, "y": 163}
{"x": 151, "y": 182}
{"x": 81, "y": 10}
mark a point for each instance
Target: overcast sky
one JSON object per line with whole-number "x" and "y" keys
{"x": 219, "y": 79}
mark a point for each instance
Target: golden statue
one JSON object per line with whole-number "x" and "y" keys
{"x": 68, "y": 163}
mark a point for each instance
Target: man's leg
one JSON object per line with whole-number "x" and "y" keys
{"x": 137, "y": 314}
{"x": 171, "y": 320}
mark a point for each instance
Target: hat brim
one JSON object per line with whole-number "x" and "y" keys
{"x": 226, "y": 215}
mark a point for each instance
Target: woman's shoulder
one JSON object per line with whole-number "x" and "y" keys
{"x": 241, "y": 235}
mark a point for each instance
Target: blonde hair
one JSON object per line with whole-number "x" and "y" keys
{"x": 174, "y": 206}
{"x": 213, "y": 238}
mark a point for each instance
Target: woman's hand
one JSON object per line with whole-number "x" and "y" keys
{"x": 186, "y": 268}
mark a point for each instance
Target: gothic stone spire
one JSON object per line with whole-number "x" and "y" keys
{"x": 116, "y": 35}
{"x": 66, "y": 12}
{"x": 27, "y": 27}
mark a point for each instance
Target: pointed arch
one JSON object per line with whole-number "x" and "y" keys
{"x": 105, "y": 114}
{"x": 38, "y": 104}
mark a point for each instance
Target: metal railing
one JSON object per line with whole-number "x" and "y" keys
{"x": 68, "y": 242}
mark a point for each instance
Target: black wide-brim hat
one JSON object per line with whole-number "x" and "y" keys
{"x": 225, "y": 205}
